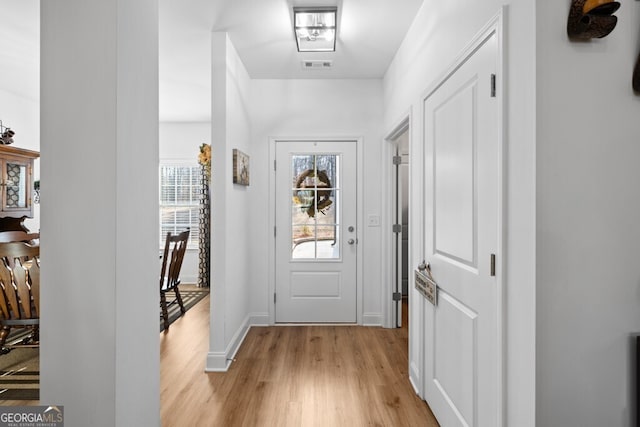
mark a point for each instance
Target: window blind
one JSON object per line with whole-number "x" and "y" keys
{"x": 180, "y": 189}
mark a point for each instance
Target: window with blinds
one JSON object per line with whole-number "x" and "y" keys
{"x": 179, "y": 200}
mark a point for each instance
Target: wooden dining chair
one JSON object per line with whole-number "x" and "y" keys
{"x": 19, "y": 236}
{"x": 19, "y": 292}
{"x": 175, "y": 247}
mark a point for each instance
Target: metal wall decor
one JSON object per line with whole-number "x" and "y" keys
{"x": 590, "y": 19}
{"x": 6, "y": 135}
{"x": 314, "y": 184}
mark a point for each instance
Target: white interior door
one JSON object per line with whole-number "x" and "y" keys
{"x": 316, "y": 231}
{"x": 462, "y": 206}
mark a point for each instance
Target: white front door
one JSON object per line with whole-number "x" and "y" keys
{"x": 316, "y": 234}
{"x": 462, "y": 214}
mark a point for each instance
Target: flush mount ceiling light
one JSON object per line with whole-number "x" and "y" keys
{"x": 315, "y": 28}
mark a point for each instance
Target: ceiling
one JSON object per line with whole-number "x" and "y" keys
{"x": 369, "y": 33}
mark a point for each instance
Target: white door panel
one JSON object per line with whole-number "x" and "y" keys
{"x": 461, "y": 164}
{"x": 316, "y": 231}
{"x": 454, "y": 177}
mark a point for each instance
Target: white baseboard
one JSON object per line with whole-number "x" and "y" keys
{"x": 217, "y": 362}
{"x": 220, "y": 362}
{"x": 372, "y": 319}
{"x": 259, "y": 319}
{"x": 414, "y": 376}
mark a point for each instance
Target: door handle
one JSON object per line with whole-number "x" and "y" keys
{"x": 351, "y": 241}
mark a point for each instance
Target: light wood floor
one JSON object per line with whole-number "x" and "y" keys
{"x": 289, "y": 376}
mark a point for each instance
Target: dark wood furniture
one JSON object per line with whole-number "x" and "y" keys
{"x": 19, "y": 291}
{"x": 16, "y": 181}
{"x": 174, "y": 249}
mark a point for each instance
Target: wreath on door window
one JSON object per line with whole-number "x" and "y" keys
{"x": 321, "y": 185}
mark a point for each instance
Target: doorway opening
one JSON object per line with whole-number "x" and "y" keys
{"x": 398, "y": 202}
{"x": 401, "y": 227}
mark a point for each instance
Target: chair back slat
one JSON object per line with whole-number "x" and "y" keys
{"x": 174, "y": 249}
{"x": 34, "y": 279}
{"x": 21, "y": 282}
{"x": 9, "y": 292}
{"x": 4, "y": 304}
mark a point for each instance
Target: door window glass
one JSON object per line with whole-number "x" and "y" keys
{"x": 314, "y": 206}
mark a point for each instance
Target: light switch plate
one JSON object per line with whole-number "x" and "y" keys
{"x": 373, "y": 220}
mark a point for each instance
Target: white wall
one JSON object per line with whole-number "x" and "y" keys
{"x": 231, "y": 204}
{"x": 315, "y": 108}
{"x": 21, "y": 113}
{"x": 437, "y": 36}
{"x": 180, "y": 141}
{"x": 588, "y": 227}
{"x": 100, "y": 355}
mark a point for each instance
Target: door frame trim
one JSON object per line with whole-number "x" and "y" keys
{"x": 359, "y": 219}
{"x": 388, "y": 279}
{"x": 495, "y": 26}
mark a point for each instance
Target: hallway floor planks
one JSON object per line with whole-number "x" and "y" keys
{"x": 289, "y": 376}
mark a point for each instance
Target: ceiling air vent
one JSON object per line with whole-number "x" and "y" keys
{"x": 317, "y": 65}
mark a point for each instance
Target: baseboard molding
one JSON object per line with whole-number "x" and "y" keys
{"x": 259, "y": 319}
{"x": 217, "y": 362}
{"x": 220, "y": 362}
{"x": 372, "y": 319}
{"x": 189, "y": 280}
{"x": 414, "y": 376}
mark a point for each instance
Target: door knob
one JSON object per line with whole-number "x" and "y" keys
{"x": 351, "y": 241}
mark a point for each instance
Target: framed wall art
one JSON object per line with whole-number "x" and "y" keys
{"x": 240, "y": 167}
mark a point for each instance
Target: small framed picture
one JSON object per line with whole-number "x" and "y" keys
{"x": 240, "y": 167}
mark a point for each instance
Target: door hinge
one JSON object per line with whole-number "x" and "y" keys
{"x": 493, "y": 85}
{"x": 274, "y": 297}
{"x": 274, "y": 165}
{"x": 274, "y": 231}
{"x": 397, "y": 160}
{"x": 397, "y": 228}
{"x": 397, "y": 296}
{"x": 493, "y": 265}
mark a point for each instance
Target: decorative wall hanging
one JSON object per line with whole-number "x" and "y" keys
{"x": 590, "y": 19}
{"x": 6, "y": 135}
{"x": 310, "y": 182}
{"x": 204, "y": 219}
{"x": 240, "y": 167}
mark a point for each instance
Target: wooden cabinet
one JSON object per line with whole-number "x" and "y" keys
{"x": 16, "y": 181}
